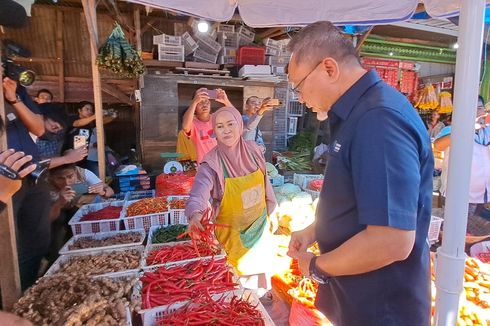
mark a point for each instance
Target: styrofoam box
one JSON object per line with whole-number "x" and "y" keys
{"x": 254, "y": 70}
{"x": 151, "y": 316}
{"x": 143, "y": 221}
{"x": 152, "y": 247}
{"x": 302, "y": 180}
{"x": 167, "y": 40}
{"x": 171, "y": 53}
{"x": 66, "y": 258}
{"x": 190, "y": 45}
{"x": 85, "y": 227}
{"x": 479, "y": 248}
{"x": 98, "y": 236}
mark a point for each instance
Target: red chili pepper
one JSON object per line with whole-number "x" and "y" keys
{"x": 106, "y": 213}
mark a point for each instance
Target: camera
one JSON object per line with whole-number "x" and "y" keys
{"x": 14, "y": 71}
{"x": 20, "y": 74}
{"x": 41, "y": 168}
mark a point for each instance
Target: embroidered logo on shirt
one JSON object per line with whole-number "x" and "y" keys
{"x": 336, "y": 146}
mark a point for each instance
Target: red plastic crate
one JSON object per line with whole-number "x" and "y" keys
{"x": 250, "y": 55}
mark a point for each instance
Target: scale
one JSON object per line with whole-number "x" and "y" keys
{"x": 171, "y": 164}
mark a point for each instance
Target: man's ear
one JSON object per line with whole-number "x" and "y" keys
{"x": 331, "y": 67}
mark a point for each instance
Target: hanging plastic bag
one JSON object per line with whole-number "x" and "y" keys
{"x": 174, "y": 184}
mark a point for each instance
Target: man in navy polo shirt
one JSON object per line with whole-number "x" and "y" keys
{"x": 374, "y": 210}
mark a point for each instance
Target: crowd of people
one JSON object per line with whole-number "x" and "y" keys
{"x": 40, "y": 131}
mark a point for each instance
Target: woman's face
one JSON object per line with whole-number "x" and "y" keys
{"x": 86, "y": 111}
{"x": 226, "y": 129}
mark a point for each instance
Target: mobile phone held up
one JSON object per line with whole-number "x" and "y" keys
{"x": 79, "y": 188}
{"x": 212, "y": 93}
{"x": 79, "y": 141}
{"x": 275, "y": 102}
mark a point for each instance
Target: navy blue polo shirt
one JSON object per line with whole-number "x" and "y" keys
{"x": 379, "y": 173}
{"x": 18, "y": 136}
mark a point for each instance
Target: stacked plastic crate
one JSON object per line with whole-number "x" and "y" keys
{"x": 229, "y": 41}
{"x": 208, "y": 49}
{"x": 277, "y": 56}
{"x": 245, "y": 36}
{"x": 170, "y": 47}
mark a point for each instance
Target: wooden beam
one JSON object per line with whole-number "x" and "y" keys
{"x": 113, "y": 12}
{"x": 59, "y": 55}
{"x": 89, "y": 8}
{"x": 126, "y": 82}
{"x": 9, "y": 273}
{"x": 116, "y": 92}
{"x": 137, "y": 27}
{"x": 363, "y": 38}
{"x": 148, "y": 25}
{"x": 269, "y": 31}
{"x": 34, "y": 60}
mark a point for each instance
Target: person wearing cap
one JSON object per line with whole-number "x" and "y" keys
{"x": 480, "y": 163}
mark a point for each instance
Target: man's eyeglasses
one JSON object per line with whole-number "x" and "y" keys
{"x": 295, "y": 89}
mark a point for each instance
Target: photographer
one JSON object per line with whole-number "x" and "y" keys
{"x": 31, "y": 203}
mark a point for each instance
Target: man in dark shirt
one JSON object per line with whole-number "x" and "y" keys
{"x": 374, "y": 210}
{"x": 31, "y": 203}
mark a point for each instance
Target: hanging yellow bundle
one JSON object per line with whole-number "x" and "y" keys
{"x": 427, "y": 99}
{"x": 445, "y": 105}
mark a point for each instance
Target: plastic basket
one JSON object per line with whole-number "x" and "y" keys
{"x": 480, "y": 248}
{"x": 207, "y": 44}
{"x": 277, "y": 181}
{"x": 152, "y": 247}
{"x": 271, "y": 43}
{"x": 203, "y": 56}
{"x": 434, "y": 228}
{"x": 278, "y": 71}
{"x": 177, "y": 216}
{"x": 171, "y": 53}
{"x": 136, "y": 195}
{"x": 295, "y": 109}
{"x": 228, "y": 39}
{"x": 153, "y": 229}
{"x": 86, "y": 227}
{"x": 302, "y": 180}
{"x": 190, "y": 45}
{"x": 58, "y": 264}
{"x": 227, "y": 60}
{"x": 251, "y": 55}
{"x": 151, "y": 316}
{"x": 278, "y": 60}
{"x": 226, "y": 28}
{"x": 102, "y": 235}
{"x": 246, "y": 35}
{"x": 292, "y": 125}
{"x": 167, "y": 40}
{"x": 143, "y": 221}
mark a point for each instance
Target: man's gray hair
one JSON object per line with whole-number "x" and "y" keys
{"x": 320, "y": 40}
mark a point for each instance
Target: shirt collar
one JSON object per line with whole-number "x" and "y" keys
{"x": 344, "y": 105}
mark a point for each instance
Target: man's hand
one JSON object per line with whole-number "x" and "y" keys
{"x": 76, "y": 155}
{"x": 66, "y": 196}
{"x": 304, "y": 260}
{"x": 300, "y": 241}
{"x": 8, "y": 319}
{"x": 223, "y": 98}
{"x": 15, "y": 161}
{"x": 96, "y": 189}
{"x": 9, "y": 89}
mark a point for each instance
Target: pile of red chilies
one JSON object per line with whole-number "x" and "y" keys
{"x": 181, "y": 251}
{"x": 106, "y": 213}
{"x": 184, "y": 282}
{"x": 206, "y": 311}
{"x": 147, "y": 206}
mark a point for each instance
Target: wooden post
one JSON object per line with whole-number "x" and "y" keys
{"x": 137, "y": 27}
{"x": 9, "y": 271}
{"x": 59, "y": 54}
{"x": 89, "y": 8}
{"x": 363, "y": 38}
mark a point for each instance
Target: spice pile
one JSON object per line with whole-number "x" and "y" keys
{"x": 170, "y": 234}
{"x": 106, "y": 213}
{"x": 183, "y": 282}
{"x": 182, "y": 251}
{"x": 204, "y": 310}
{"x": 147, "y": 206}
{"x": 76, "y": 300}
{"x": 116, "y": 239}
{"x": 102, "y": 263}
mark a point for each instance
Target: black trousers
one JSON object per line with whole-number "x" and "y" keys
{"x": 31, "y": 211}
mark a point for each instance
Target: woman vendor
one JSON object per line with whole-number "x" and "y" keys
{"x": 232, "y": 177}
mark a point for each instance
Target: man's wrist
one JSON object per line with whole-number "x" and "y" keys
{"x": 316, "y": 274}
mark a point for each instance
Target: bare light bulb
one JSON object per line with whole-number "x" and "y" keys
{"x": 203, "y": 27}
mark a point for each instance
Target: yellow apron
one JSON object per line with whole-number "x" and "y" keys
{"x": 247, "y": 240}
